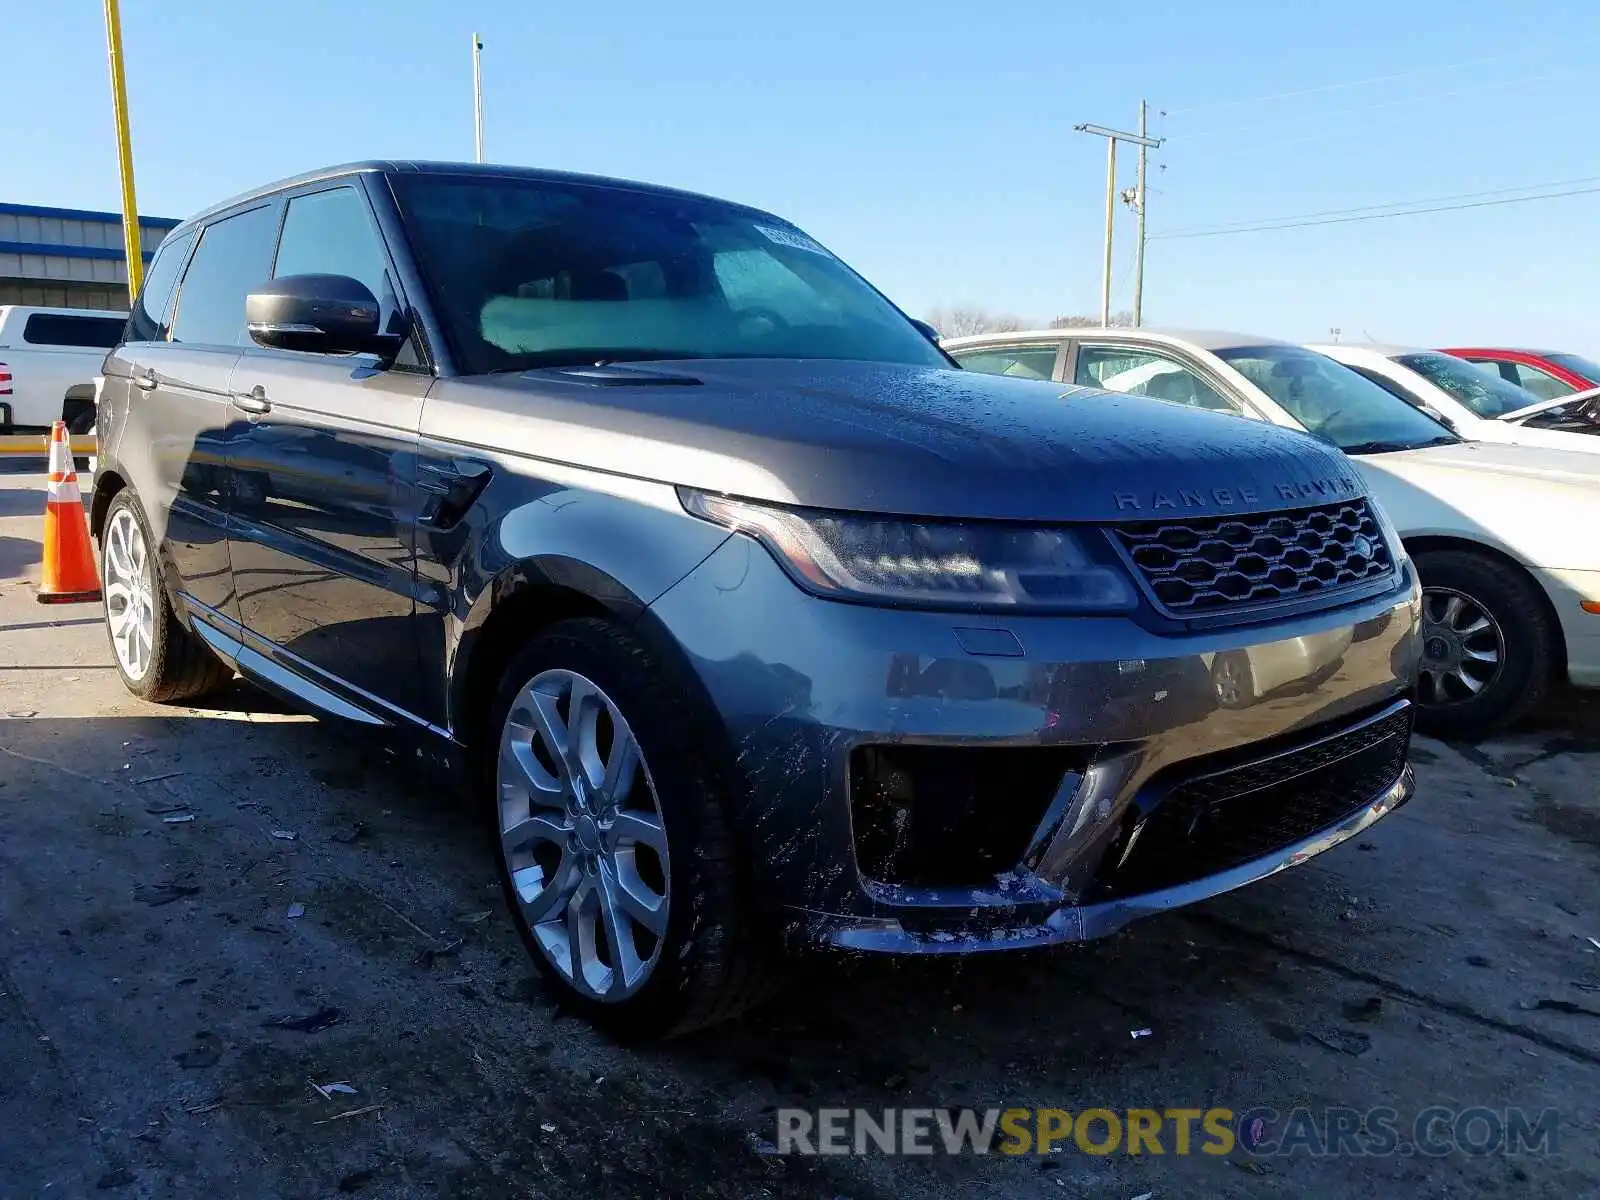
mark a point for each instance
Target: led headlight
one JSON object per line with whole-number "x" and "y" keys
{"x": 935, "y": 564}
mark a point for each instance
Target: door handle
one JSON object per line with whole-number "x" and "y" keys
{"x": 145, "y": 382}
{"x": 254, "y": 401}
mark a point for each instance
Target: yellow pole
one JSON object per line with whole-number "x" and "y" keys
{"x": 119, "y": 107}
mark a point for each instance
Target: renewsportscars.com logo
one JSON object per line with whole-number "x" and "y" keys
{"x": 1257, "y": 1132}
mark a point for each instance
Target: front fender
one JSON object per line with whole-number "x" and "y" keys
{"x": 573, "y": 536}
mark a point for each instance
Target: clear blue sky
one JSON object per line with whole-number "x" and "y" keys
{"x": 930, "y": 144}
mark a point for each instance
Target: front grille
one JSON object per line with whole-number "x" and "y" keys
{"x": 1209, "y": 823}
{"x": 1192, "y": 566}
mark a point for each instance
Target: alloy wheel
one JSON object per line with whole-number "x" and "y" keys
{"x": 129, "y": 594}
{"x": 582, "y": 834}
{"x": 1463, "y": 647}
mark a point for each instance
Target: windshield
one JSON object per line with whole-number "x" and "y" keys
{"x": 529, "y": 273}
{"x": 1333, "y": 402}
{"x": 1578, "y": 365}
{"x": 1480, "y": 389}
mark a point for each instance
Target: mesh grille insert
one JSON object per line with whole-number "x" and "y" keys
{"x": 1209, "y": 564}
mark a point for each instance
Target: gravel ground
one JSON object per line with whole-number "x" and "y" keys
{"x": 1445, "y": 959}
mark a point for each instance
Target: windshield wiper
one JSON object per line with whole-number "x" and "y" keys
{"x": 1381, "y": 447}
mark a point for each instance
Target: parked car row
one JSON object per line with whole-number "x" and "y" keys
{"x": 749, "y": 618}
{"x": 1492, "y": 502}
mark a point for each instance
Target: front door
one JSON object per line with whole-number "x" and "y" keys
{"x": 322, "y": 465}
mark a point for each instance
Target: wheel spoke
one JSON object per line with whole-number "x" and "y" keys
{"x": 632, "y": 826}
{"x": 1467, "y": 681}
{"x": 625, "y": 963}
{"x": 588, "y": 972}
{"x": 621, "y": 766}
{"x": 556, "y": 892}
{"x": 552, "y": 732}
{"x": 1483, "y": 656}
{"x": 520, "y": 835}
{"x": 529, "y": 773}
{"x": 637, "y": 901}
{"x": 1478, "y": 626}
{"x": 1452, "y": 610}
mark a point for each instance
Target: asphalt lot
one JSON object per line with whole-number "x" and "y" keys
{"x": 1445, "y": 959}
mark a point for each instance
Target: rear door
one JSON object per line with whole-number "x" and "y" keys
{"x": 179, "y": 391}
{"x": 322, "y": 459}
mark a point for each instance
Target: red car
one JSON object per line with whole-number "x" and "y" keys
{"x": 1548, "y": 374}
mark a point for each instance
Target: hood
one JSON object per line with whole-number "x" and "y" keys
{"x": 1537, "y": 464}
{"x": 872, "y": 437}
{"x": 1528, "y": 501}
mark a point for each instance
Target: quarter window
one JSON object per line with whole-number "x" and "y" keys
{"x": 1142, "y": 373}
{"x": 234, "y": 255}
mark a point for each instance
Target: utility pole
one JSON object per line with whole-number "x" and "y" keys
{"x": 477, "y": 94}
{"x": 1113, "y": 136}
{"x": 1138, "y": 248}
{"x": 131, "y": 244}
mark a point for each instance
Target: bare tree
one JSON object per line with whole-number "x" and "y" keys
{"x": 963, "y": 320}
{"x": 1117, "y": 319}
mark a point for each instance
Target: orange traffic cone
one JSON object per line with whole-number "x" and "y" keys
{"x": 69, "y": 575}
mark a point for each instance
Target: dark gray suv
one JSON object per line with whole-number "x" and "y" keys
{"x": 751, "y": 619}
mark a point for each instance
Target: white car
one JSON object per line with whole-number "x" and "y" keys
{"x": 48, "y": 360}
{"x": 1502, "y": 535}
{"x": 1474, "y": 401}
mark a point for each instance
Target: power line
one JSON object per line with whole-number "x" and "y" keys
{"x": 1355, "y": 83}
{"x": 1227, "y": 226}
{"x": 1403, "y": 102}
{"x": 1414, "y": 212}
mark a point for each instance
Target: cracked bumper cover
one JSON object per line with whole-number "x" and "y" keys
{"x": 800, "y": 684}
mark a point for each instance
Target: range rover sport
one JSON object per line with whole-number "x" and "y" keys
{"x": 748, "y": 617}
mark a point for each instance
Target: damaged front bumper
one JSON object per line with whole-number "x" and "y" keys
{"x": 923, "y": 782}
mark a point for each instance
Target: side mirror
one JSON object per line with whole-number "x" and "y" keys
{"x": 926, "y": 330}
{"x": 318, "y": 314}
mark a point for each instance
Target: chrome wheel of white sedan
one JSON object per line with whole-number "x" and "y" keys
{"x": 582, "y": 835}
{"x": 130, "y": 599}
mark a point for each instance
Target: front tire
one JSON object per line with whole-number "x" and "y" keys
{"x": 159, "y": 660}
{"x": 1488, "y": 644}
{"x": 612, "y": 834}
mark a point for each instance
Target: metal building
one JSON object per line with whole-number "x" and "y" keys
{"x": 68, "y": 257}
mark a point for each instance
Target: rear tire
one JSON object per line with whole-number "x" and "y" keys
{"x": 710, "y": 961}
{"x": 158, "y": 659}
{"x": 1489, "y": 646}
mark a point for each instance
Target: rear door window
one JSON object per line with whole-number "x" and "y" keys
{"x": 234, "y": 255}
{"x": 62, "y": 329}
{"x": 148, "y": 321}
{"x": 1019, "y": 362}
{"x": 1145, "y": 373}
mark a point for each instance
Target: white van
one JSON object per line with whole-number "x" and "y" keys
{"x": 49, "y": 358}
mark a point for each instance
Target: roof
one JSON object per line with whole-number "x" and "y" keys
{"x": 1378, "y": 348}
{"x": 1204, "y": 339}
{"x": 1498, "y": 350}
{"x": 419, "y": 167}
